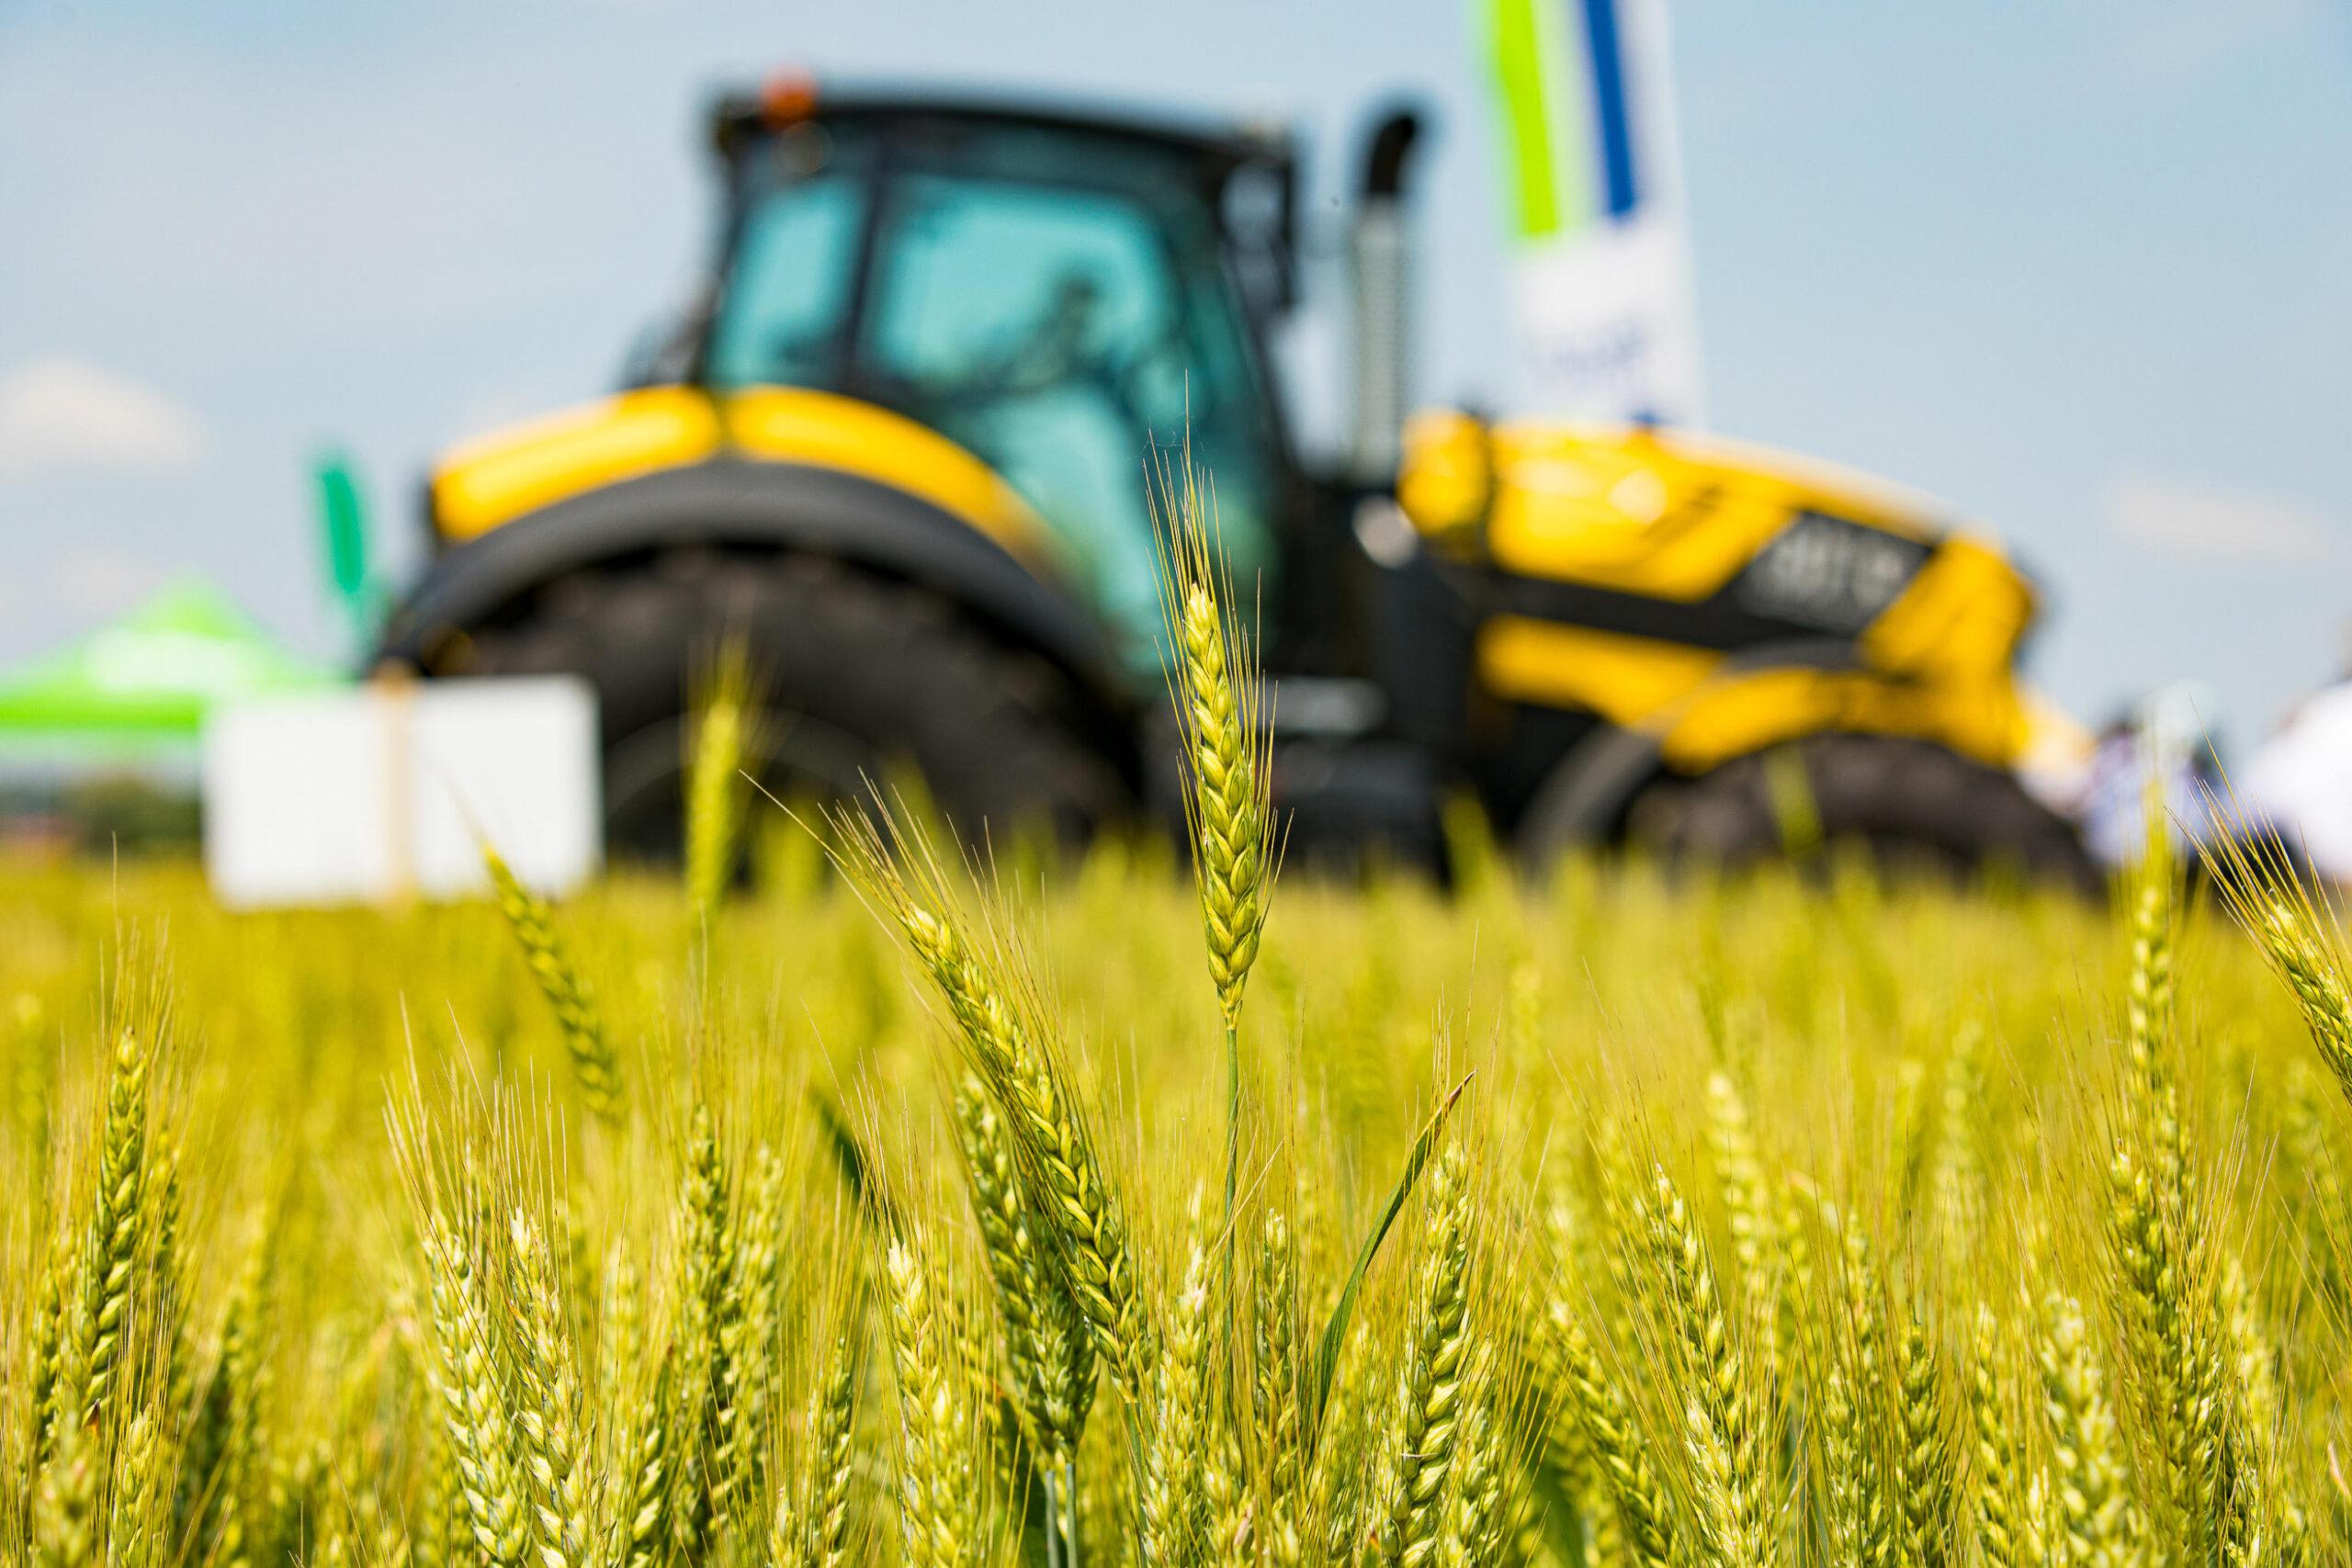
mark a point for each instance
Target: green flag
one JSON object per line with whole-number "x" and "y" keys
{"x": 343, "y": 518}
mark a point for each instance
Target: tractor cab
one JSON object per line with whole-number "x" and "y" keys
{"x": 1061, "y": 297}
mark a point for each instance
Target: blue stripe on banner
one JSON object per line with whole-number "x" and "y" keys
{"x": 1607, "y": 52}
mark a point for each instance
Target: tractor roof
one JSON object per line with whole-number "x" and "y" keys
{"x": 790, "y": 101}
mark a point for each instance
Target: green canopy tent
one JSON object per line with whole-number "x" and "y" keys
{"x": 149, "y": 678}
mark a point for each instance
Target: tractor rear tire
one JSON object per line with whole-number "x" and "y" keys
{"x": 1916, "y": 808}
{"x": 859, "y": 677}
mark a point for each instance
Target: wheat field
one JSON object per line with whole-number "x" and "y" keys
{"x": 1100, "y": 1214}
{"x": 1771, "y": 1223}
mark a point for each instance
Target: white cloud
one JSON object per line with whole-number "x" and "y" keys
{"x": 2165, "y": 47}
{"x": 60, "y": 415}
{"x": 91, "y": 580}
{"x": 69, "y": 591}
{"x": 2207, "y": 524}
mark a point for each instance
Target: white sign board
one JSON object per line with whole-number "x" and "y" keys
{"x": 1601, "y": 262}
{"x": 390, "y": 790}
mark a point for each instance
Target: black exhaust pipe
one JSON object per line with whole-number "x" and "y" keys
{"x": 1379, "y": 250}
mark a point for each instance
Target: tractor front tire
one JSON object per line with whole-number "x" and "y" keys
{"x": 858, "y": 678}
{"x": 1913, "y": 806}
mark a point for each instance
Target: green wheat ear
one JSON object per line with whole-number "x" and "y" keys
{"x": 1620, "y": 1455}
{"x": 595, "y": 1066}
{"x": 1006, "y": 1041}
{"x": 553, "y": 1418}
{"x": 2093, "y": 1517}
{"x": 721, "y": 738}
{"x": 1278, "y": 1367}
{"x": 1998, "y": 1473}
{"x": 1436, "y": 1375}
{"x": 941, "y": 1508}
{"x": 830, "y": 1466}
{"x": 115, "y": 1219}
{"x": 1217, "y": 689}
{"x": 1722, "y": 1421}
{"x": 1046, "y": 1341}
{"x": 2153, "y": 894}
{"x": 2297, "y": 937}
{"x": 1228, "y": 799}
{"x": 477, "y": 1413}
{"x": 1179, "y": 1459}
{"x": 66, "y": 1498}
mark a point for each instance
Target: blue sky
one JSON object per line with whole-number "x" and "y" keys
{"x": 2082, "y": 269}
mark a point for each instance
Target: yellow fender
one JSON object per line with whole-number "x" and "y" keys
{"x": 489, "y": 482}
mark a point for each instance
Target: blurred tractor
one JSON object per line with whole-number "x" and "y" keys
{"x": 900, "y": 449}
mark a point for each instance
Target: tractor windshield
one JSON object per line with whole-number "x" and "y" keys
{"x": 1054, "y": 302}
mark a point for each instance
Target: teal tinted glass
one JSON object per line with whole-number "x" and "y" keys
{"x": 1058, "y": 332}
{"x": 793, "y": 268}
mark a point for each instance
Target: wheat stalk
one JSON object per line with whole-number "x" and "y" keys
{"x": 1216, "y": 688}
{"x": 1925, "y": 1482}
{"x": 45, "y": 1377}
{"x": 996, "y": 1027}
{"x": 1620, "y": 1456}
{"x": 65, "y": 1503}
{"x": 1477, "y": 1504}
{"x": 595, "y": 1066}
{"x": 552, "y": 1417}
{"x": 1431, "y": 1384}
{"x": 2002, "y": 1533}
{"x": 1274, "y": 1397}
{"x": 1721, "y": 1419}
{"x": 936, "y": 1519}
{"x": 710, "y": 1311}
{"x": 1047, "y": 1342}
{"x": 114, "y": 1219}
{"x": 1173, "y": 1502}
{"x": 749, "y": 1336}
{"x": 720, "y": 736}
{"x": 479, "y": 1423}
{"x": 832, "y": 1463}
{"x": 136, "y": 1512}
{"x": 2086, "y": 1451}
{"x": 647, "y": 1462}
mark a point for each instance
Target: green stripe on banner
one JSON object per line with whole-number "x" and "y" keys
{"x": 1567, "y": 69}
{"x": 1547, "y": 121}
{"x": 1520, "y": 64}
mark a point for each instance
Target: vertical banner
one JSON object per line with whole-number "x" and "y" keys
{"x": 1600, "y": 262}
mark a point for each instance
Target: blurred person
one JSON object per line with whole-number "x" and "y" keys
{"x": 2162, "y": 736}
{"x": 2299, "y": 782}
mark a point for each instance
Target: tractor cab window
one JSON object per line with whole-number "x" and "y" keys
{"x": 1055, "y": 330}
{"x": 793, "y": 268}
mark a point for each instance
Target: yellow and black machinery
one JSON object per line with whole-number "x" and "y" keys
{"x": 899, "y": 448}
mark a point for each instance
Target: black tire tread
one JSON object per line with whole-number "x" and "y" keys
{"x": 989, "y": 727}
{"x": 1912, "y": 804}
